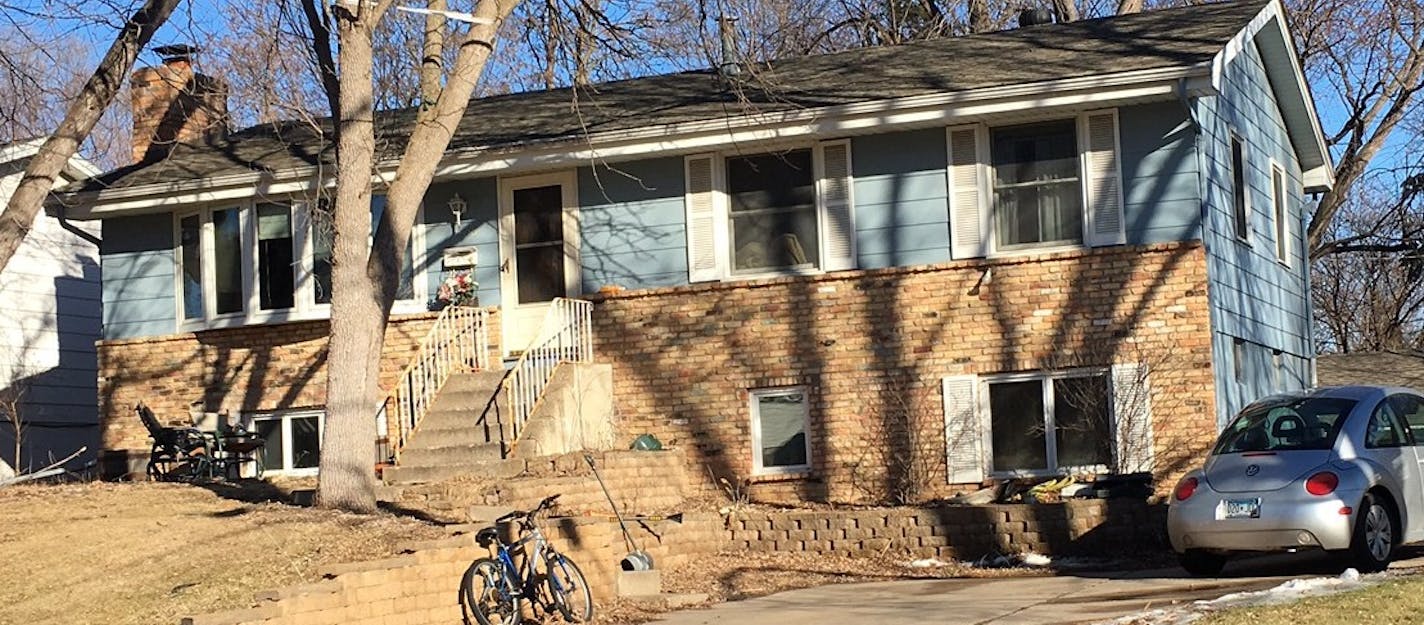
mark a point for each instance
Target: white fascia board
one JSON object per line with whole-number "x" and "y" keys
{"x": 1273, "y": 16}
{"x": 851, "y": 119}
{"x": 1319, "y": 180}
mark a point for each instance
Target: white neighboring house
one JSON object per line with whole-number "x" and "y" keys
{"x": 50, "y": 316}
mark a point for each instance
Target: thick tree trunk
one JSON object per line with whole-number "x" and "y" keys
{"x": 1129, "y": 6}
{"x": 364, "y": 283}
{"x": 84, "y": 112}
{"x": 358, "y": 323}
{"x": 1066, "y": 10}
{"x": 426, "y": 147}
{"x": 979, "y": 16}
{"x": 432, "y": 56}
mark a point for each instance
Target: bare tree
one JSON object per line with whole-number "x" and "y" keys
{"x": 906, "y": 454}
{"x": 83, "y": 115}
{"x": 1371, "y": 56}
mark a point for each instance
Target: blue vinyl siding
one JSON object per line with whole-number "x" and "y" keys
{"x": 901, "y": 205}
{"x": 479, "y": 226}
{"x": 1253, "y": 296}
{"x": 137, "y": 265}
{"x": 632, "y": 219}
{"x": 1161, "y": 185}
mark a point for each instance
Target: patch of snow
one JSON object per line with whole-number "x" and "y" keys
{"x": 1287, "y": 592}
{"x": 5, "y": 471}
{"x": 1035, "y": 559}
{"x": 927, "y": 563}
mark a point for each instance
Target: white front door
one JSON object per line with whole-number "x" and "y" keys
{"x": 538, "y": 252}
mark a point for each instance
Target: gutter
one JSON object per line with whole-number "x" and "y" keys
{"x": 928, "y": 110}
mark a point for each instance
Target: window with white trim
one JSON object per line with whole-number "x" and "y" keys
{"x": 1015, "y": 188}
{"x": 1049, "y": 422}
{"x": 1045, "y": 423}
{"x": 1037, "y": 190}
{"x": 266, "y": 261}
{"x": 774, "y": 212}
{"x": 292, "y": 441}
{"x": 1282, "y": 213}
{"x": 1240, "y": 210}
{"x": 780, "y": 430}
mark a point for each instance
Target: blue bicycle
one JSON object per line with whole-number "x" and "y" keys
{"x": 494, "y": 589}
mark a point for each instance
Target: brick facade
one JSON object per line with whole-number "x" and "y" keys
{"x": 239, "y": 370}
{"x": 873, "y": 346}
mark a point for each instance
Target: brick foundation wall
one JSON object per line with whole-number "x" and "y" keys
{"x": 247, "y": 369}
{"x": 1087, "y": 527}
{"x": 873, "y": 346}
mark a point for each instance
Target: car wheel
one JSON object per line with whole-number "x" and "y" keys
{"x": 1202, "y": 563}
{"x": 1372, "y": 545}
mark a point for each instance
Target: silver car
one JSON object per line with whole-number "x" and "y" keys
{"x": 1337, "y": 469}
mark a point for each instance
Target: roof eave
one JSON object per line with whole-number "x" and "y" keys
{"x": 1269, "y": 31}
{"x": 944, "y": 108}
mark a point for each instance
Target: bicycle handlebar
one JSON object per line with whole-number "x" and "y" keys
{"x": 519, "y": 514}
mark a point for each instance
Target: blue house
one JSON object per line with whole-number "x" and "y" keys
{"x": 1062, "y": 247}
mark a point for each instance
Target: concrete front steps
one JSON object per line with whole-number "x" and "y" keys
{"x": 460, "y": 435}
{"x": 467, "y": 431}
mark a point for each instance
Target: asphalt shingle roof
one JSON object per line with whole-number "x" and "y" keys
{"x": 1371, "y": 368}
{"x": 1166, "y": 38}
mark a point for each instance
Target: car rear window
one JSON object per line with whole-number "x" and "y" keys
{"x": 1285, "y": 424}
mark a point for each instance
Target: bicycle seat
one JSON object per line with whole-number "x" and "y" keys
{"x": 487, "y": 536}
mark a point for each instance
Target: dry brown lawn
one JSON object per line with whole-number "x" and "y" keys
{"x": 152, "y": 553}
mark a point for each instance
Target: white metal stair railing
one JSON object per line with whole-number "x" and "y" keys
{"x": 458, "y": 342}
{"x": 566, "y": 335}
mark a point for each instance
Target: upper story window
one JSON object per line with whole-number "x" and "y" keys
{"x": 788, "y": 211}
{"x": 1240, "y": 210}
{"x": 265, "y": 262}
{"x": 772, "y": 205}
{"x": 1282, "y": 214}
{"x": 275, "y": 279}
{"x": 1037, "y": 194}
{"x": 1016, "y": 188}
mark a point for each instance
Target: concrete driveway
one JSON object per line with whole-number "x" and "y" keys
{"x": 1064, "y": 599}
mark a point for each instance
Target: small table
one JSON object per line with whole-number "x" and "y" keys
{"x": 234, "y": 450}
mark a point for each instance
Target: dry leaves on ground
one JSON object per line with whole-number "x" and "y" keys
{"x": 151, "y": 553}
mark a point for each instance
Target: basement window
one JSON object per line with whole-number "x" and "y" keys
{"x": 780, "y": 431}
{"x": 293, "y": 442}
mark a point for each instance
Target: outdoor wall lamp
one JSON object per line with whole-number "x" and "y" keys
{"x": 457, "y": 208}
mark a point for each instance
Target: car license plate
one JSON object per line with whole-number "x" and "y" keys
{"x": 1242, "y": 508}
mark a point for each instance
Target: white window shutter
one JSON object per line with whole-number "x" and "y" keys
{"x": 968, "y": 211}
{"x": 837, "y": 209}
{"x": 704, "y": 219}
{"x": 1132, "y": 417}
{"x": 1102, "y": 179}
{"x": 962, "y": 433}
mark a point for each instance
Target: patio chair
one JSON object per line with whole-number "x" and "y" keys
{"x": 178, "y": 452}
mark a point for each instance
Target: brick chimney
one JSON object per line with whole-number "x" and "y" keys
{"x": 173, "y": 104}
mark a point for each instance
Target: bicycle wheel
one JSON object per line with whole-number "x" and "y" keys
{"x": 485, "y": 594}
{"x": 569, "y": 590}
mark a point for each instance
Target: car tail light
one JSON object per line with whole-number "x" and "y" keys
{"x": 1322, "y": 483}
{"x": 1186, "y": 488}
